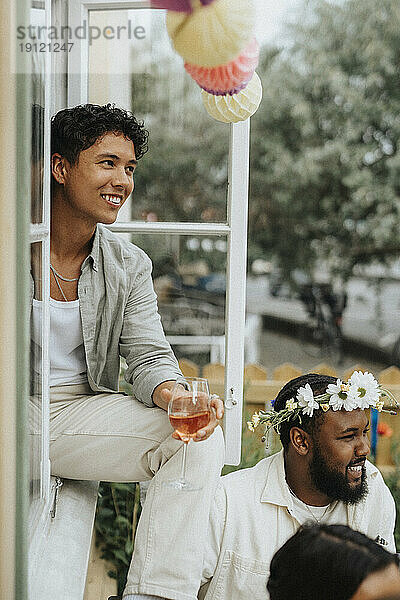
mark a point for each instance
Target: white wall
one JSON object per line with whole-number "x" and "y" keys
{"x": 7, "y": 304}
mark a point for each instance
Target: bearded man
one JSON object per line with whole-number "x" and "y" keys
{"x": 320, "y": 475}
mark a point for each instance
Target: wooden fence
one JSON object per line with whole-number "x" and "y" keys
{"x": 260, "y": 389}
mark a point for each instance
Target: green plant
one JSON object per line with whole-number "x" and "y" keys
{"x": 118, "y": 511}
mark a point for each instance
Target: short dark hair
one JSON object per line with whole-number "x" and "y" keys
{"x": 318, "y": 384}
{"x": 76, "y": 129}
{"x": 325, "y": 561}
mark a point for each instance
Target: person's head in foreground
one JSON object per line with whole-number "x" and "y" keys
{"x": 94, "y": 151}
{"x": 323, "y": 426}
{"x": 332, "y": 562}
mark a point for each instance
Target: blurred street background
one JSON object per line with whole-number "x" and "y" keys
{"x": 324, "y": 203}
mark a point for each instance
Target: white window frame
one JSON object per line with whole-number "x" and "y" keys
{"x": 235, "y": 230}
{"x": 40, "y": 233}
{"x": 214, "y": 344}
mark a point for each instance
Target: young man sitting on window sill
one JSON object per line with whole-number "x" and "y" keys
{"x": 103, "y": 307}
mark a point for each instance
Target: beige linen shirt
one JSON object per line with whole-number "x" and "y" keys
{"x": 119, "y": 315}
{"x": 253, "y": 516}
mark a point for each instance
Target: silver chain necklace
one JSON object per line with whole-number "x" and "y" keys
{"x": 316, "y": 519}
{"x": 57, "y": 276}
{"x": 60, "y": 276}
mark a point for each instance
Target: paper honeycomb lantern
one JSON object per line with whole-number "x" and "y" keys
{"x": 179, "y": 5}
{"x": 229, "y": 78}
{"x": 213, "y": 34}
{"x": 239, "y": 107}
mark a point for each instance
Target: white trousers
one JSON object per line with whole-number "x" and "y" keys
{"x": 113, "y": 437}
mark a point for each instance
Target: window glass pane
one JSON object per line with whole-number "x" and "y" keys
{"x": 324, "y": 212}
{"x": 183, "y": 177}
{"x": 37, "y": 139}
{"x": 35, "y": 405}
{"x": 189, "y": 280}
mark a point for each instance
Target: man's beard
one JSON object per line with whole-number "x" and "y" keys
{"x": 333, "y": 483}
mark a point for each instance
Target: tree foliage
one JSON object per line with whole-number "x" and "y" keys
{"x": 325, "y": 163}
{"x": 324, "y": 145}
{"x": 183, "y": 177}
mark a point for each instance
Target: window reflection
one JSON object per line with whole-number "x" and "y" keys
{"x": 35, "y": 405}
{"x": 184, "y": 176}
{"x": 37, "y": 18}
{"x": 190, "y": 283}
{"x": 37, "y": 163}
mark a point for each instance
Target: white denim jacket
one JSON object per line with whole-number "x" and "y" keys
{"x": 119, "y": 317}
{"x": 252, "y": 517}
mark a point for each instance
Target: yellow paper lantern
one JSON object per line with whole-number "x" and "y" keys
{"x": 214, "y": 34}
{"x": 239, "y": 107}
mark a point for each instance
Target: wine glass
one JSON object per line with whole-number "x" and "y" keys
{"x": 188, "y": 410}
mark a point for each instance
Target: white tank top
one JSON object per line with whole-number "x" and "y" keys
{"x": 67, "y": 352}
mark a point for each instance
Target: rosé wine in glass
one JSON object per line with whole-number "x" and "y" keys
{"x": 189, "y": 411}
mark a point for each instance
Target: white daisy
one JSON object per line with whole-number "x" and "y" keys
{"x": 336, "y": 402}
{"x": 351, "y": 401}
{"x": 334, "y": 388}
{"x": 365, "y": 389}
{"x": 305, "y": 398}
{"x": 337, "y": 396}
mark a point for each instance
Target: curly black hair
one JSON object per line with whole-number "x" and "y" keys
{"x": 76, "y": 129}
{"x": 325, "y": 561}
{"x": 318, "y": 384}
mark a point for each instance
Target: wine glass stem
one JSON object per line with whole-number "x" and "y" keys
{"x": 183, "y": 469}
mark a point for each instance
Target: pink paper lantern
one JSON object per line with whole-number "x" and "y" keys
{"x": 177, "y": 5}
{"x": 229, "y": 78}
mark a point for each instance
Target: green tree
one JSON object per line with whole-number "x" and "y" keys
{"x": 183, "y": 177}
{"x": 324, "y": 161}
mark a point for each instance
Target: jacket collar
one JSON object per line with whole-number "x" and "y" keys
{"x": 276, "y": 490}
{"x": 94, "y": 254}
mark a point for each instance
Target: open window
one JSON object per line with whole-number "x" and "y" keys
{"x": 39, "y": 237}
{"x": 125, "y": 57}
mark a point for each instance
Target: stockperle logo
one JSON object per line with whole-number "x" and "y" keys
{"x": 67, "y": 35}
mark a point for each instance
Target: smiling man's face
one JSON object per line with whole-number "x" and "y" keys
{"x": 98, "y": 184}
{"x": 340, "y": 448}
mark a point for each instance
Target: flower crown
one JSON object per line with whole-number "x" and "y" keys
{"x": 361, "y": 391}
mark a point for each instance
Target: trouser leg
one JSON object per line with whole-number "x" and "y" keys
{"x": 106, "y": 437}
{"x": 169, "y": 543}
{"x": 115, "y": 438}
